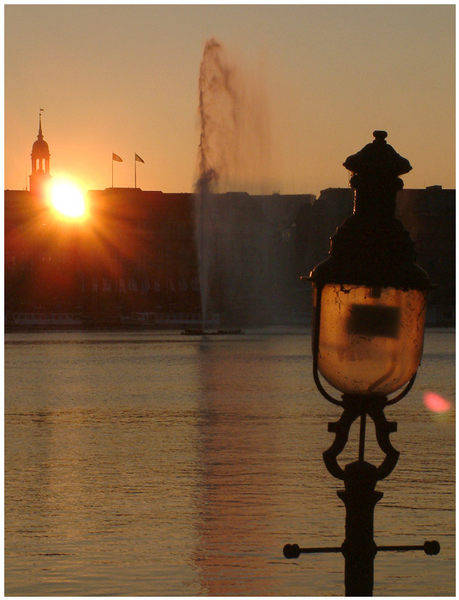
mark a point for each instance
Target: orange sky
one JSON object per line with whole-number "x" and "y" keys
{"x": 124, "y": 79}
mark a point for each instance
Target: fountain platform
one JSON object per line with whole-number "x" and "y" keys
{"x": 212, "y": 332}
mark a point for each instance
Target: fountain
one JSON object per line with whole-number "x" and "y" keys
{"x": 243, "y": 264}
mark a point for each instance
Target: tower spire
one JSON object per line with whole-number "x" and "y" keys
{"x": 40, "y": 162}
{"x": 40, "y": 134}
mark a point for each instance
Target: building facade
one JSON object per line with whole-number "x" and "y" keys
{"x": 145, "y": 256}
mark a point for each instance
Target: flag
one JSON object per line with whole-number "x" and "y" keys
{"x": 138, "y": 159}
{"x": 116, "y": 157}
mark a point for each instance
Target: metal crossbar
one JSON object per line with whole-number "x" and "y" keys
{"x": 293, "y": 550}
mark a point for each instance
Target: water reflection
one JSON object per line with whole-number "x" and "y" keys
{"x": 238, "y": 449}
{"x": 183, "y": 468}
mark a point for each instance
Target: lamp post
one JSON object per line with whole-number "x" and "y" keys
{"x": 369, "y": 313}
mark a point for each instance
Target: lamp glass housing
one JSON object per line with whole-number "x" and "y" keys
{"x": 371, "y": 338}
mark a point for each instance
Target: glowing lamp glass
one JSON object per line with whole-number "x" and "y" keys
{"x": 370, "y": 339}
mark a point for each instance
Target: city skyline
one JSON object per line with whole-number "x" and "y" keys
{"x": 124, "y": 79}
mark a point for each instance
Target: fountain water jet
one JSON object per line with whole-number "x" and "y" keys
{"x": 242, "y": 262}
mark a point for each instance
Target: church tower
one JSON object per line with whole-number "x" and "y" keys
{"x": 40, "y": 163}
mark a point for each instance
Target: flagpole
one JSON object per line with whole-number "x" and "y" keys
{"x": 112, "y": 170}
{"x": 135, "y": 173}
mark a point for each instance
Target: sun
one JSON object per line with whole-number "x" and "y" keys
{"x": 67, "y": 199}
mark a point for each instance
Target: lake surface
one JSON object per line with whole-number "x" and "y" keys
{"x": 151, "y": 463}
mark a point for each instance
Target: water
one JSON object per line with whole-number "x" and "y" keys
{"x": 220, "y": 107}
{"x": 159, "y": 464}
{"x": 234, "y": 146}
{"x": 239, "y": 239}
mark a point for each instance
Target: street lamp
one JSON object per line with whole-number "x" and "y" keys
{"x": 368, "y": 331}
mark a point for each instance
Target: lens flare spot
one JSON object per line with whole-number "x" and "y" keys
{"x": 436, "y": 403}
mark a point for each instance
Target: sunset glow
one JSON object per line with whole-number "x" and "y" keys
{"x": 406, "y": 52}
{"x": 67, "y": 199}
